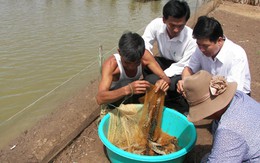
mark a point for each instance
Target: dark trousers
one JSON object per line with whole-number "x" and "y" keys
{"x": 173, "y": 99}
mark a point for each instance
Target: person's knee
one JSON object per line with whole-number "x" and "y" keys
{"x": 152, "y": 78}
{"x": 174, "y": 81}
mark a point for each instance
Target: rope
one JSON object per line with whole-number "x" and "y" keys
{"x": 42, "y": 97}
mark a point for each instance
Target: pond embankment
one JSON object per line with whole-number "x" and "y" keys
{"x": 70, "y": 133}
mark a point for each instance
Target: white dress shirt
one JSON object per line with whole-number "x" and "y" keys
{"x": 231, "y": 62}
{"x": 178, "y": 49}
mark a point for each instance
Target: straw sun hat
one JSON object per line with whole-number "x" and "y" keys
{"x": 207, "y": 94}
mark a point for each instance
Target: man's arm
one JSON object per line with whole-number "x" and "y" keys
{"x": 149, "y": 37}
{"x": 228, "y": 146}
{"x": 185, "y": 73}
{"x": 104, "y": 95}
{"x": 149, "y": 61}
{"x": 239, "y": 71}
{"x": 177, "y": 68}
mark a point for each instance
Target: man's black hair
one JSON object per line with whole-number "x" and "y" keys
{"x": 131, "y": 46}
{"x": 177, "y": 9}
{"x": 207, "y": 28}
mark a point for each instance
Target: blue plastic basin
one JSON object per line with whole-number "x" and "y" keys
{"x": 173, "y": 123}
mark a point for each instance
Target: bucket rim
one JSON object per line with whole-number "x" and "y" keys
{"x": 145, "y": 158}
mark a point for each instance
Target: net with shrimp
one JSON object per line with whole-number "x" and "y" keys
{"x": 136, "y": 127}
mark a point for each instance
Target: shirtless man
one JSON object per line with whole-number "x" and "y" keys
{"x": 121, "y": 73}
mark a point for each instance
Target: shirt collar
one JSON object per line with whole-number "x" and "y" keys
{"x": 222, "y": 53}
{"x": 180, "y": 38}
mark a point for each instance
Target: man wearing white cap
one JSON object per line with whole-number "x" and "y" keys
{"x": 237, "y": 137}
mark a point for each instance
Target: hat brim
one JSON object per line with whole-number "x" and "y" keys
{"x": 212, "y": 105}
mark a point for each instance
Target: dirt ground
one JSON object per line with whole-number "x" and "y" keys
{"x": 48, "y": 137}
{"x": 241, "y": 24}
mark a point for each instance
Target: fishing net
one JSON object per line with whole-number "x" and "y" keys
{"x": 136, "y": 127}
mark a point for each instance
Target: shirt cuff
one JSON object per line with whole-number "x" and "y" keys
{"x": 169, "y": 72}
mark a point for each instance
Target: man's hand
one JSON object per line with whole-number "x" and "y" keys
{"x": 161, "y": 84}
{"x": 180, "y": 88}
{"x": 139, "y": 86}
{"x": 185, "y": 73}
{"x": 166, "y": 79}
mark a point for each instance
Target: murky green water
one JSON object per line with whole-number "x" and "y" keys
{"x": 50, "y": 49}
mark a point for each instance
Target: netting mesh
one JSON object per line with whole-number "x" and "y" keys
{"x": 136, "y": 128}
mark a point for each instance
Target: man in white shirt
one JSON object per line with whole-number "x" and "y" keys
{"x": 175, "y": 46}
{"x": 217, "y": 55}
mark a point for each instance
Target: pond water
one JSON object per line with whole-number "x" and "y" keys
{"x": 51, "y": 48}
